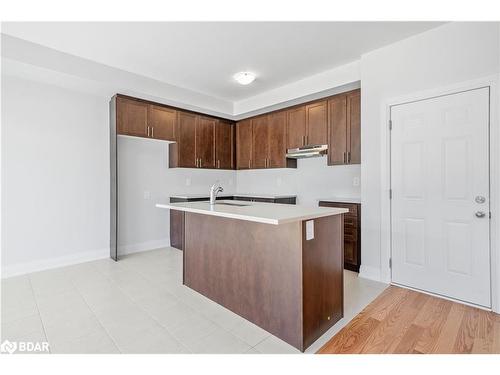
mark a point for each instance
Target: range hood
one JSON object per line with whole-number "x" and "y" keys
{"x": 307, "y": 152}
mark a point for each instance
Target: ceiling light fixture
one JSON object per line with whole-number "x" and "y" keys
{"x": 244, "y": 78}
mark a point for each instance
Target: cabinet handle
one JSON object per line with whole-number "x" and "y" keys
{"x": 249, "y": 163}
{"x": 200, "y": 162}
{"x": 147, "y": 129}
{"x": 349, "y": 156}
{"x": 152, "y": 132}
{"x": 218, "y": 164}
{"x": 344, "y": 158}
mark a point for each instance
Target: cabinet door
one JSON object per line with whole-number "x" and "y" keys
{"x": 317, "y": 123}
{"x": 224, "y": 154}
{"x": 162, "y": 122}
{"x": 296, "y": 127}
{"x": 205, "y": 142}
{"x": 186, "y": 140}
{"x": 260, "y": 142}
{"x": 244, "y": 144}
{"x": 337, "y": 122}
{"x": 354, "y": 127}
{"x": 131, "y": 117}
{"x": 277, "y": 138}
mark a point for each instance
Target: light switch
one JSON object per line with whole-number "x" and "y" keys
{"x": 309, "y": 230}
{"x": 147, "y": 195}
{"x": 355, "y": 181}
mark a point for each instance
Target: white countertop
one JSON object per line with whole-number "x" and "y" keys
{"x": 342, "y": 199}
{"x": 265, "y": 196}
{"x": 268, "y": 213}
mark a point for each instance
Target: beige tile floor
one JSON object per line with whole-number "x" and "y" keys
{"x": 139, "y": 305}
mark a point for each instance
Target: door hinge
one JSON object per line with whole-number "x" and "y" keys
{"x": 390, "y": 193}
{"x": 390, "y": 124}
{"x": 390, "y": 262}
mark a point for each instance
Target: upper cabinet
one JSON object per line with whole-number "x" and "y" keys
{"x": 200, "y": 141}
{"x": 162, "y": 121}
{"x": 344, "y": 122}
{"x": 244, "y": 144}
{"x": 183, "y": 152}
{"x": 141, "y": 119}
{"x": 224, "y": 145}
{"x": 317, "y": 123}
{"x": 307, "y": 125}
{"x": 131, "y": 117}
{"x": 205, "y": 142}
{"x": 296, "y": 127}
{"x": 261, "y": 142}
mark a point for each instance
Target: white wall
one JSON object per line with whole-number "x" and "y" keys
{"x": 55, "y": 176}
{"x": 310, "y": 181}
{"x": 144, "y": 179}
{"x": 450, "y": 54}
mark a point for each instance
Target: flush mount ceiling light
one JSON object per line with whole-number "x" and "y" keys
{"x": 244, "y": 78}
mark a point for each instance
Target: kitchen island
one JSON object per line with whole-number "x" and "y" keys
{"x": 278, "y": 266}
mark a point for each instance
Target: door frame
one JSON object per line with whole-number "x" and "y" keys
{"x": 494, "y": 155}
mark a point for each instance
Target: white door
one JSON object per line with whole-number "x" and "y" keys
{"x": 440, "y": 195}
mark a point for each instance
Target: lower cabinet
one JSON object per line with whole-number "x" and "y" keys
{"x": 352, "y": 233}
{"x": 177, "y": 217}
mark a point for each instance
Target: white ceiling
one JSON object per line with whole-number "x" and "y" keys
{"x": 203, "y": 56}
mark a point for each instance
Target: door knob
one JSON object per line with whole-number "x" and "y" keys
{"x": 480, "y": 214}
{"x": 480, "y": 199}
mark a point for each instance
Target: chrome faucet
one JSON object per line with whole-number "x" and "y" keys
{"x": 216, "y": 188}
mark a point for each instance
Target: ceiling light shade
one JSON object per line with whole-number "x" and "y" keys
{"x": 244, "y": 78}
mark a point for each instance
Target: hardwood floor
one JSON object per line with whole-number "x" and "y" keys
{"x": 404, "y": 321}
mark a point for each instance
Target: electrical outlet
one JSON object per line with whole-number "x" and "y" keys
{"x": 188, "y": 181}
{"x": 355, "y": 181}
{"x": 147, "y": 194}
{"x": 279, "y": 181}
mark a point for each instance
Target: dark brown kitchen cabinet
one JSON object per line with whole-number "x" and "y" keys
{"x": 224, "y": 145}
{"x": 260, "y": 142}
{"x": 141, "y": 119}
{"x": 354, "y": 127}
{"x": 276, "y": 156}
{"x": 307, "y": 125}
{"x": 344, "y": 121}
{"x": 131, "y": 117}
{"x": 205, "y": 142}
{"x": 317, "y": 123}
{"x": 183, "y": 152}
{"x": 195, "y": 142}
{"x": 161, "y": 122}
{"x": 244, "y": 144}
{"x": 352, "y": 233}
{"x": 296, "y": 127}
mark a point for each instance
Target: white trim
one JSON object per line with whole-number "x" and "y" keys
{"x": 143, "y": 246}
{"x": 370, "y": 273}
{"x": 385, "y": 228}
{"x": 46, "y": 264}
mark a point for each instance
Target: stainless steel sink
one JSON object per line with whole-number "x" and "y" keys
{"x": 232, "y": 204}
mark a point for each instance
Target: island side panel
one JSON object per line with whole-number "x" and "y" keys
{"x": 253, "y": 269}
{"x": 323, "y": 271}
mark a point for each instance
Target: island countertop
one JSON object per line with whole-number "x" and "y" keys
{"x": 268, "y": 213}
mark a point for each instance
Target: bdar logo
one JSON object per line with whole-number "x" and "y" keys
{"x": 8, "y": 347}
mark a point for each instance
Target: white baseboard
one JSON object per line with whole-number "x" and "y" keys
{"x": 143, "y": 246}
{"x": 46, "y": 264}
{"x": 368, "y": 272}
